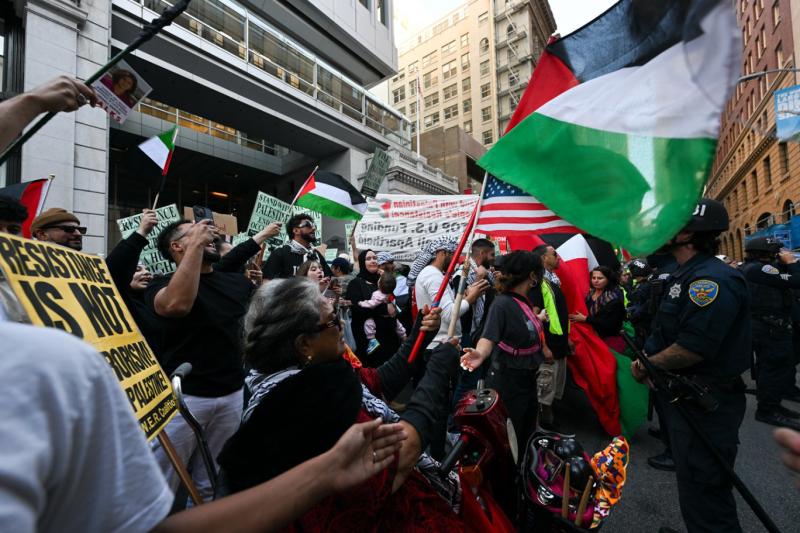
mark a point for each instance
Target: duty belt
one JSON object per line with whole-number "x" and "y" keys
{"x": 775, "y": 321}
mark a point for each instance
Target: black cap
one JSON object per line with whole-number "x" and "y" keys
{"x": 709, "y": 216}
{"x": 763, "y": 244}
{"x": 639, "y": 268}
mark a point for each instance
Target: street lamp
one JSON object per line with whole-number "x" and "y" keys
{"x": 765, "y": 72}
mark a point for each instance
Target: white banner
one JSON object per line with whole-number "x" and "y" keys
{"x": 150, "y": 256}
{"x": 403, "y": 224}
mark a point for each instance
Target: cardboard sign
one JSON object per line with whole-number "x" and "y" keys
{"x": 120, "y": 90}
{"x": 60, "y": 288}
{"x": 403, "y": 224}
{"x": 375, "y": 173}
{"x": 150, "y": 256}
{"x": 269, "y": 209}
{"x": 226, "y": 224}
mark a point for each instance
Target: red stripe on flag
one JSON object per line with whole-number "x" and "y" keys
{"x": 550, "y": 78}
{"x": 31, "y": 198}
{"x": 167, "y": 162}
{"x": 515, "y": 206}
{"x": 519, "y": 220}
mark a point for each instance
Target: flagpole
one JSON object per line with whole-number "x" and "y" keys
{"x": 419, "y": 112}
{"x": 462, "y": 285}
{"x": 148, "y": 32}
{"x": 436, "y": 301}
{"x": 160, "y": 188}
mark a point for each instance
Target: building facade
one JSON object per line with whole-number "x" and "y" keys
{"x": 754, "y": 174}
{"x": 263, "y": 91}
{"x": 470, "y": 67}
{"x": 455, "y": 152}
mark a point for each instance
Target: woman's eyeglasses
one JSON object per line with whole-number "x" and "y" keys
{"x": 335, "y": 323}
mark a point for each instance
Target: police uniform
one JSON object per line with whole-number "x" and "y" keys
{"x": 705, "y": 308}
{"x": 772, "y": 299}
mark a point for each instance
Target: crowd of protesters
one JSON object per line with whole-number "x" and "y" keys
{"x": 299, "y": 433}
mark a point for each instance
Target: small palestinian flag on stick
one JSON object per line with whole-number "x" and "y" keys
{"x": 332, "y": 195}
{"x": 31, "y": 194}
{"x": 160, "y": 148}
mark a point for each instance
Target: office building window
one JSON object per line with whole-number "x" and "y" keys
{"x": 428, "y": 59}
{"x": 364, "y": 3}
{"x": 767, "y": 172}
{"x": 511, "y": 57}
{"x": 381, "y": 10}
{"x": 412, "y": 108}
{"x": 432, "y": 119}
{"x": 432, "y": 100}
{"x": 399, "y": 94}
{"x": 451, "y": 91}
{"x": 412, "y": 67}
{"x": 483, "y": 18}
{"x": 484, "y": 68}
{"x": 412, "y": 88}
{"x": 754, "y": 184}
{"x": 486, "y": 90}
{"x": 429, "y": 79}
{"x": 465, "y": 40}
{"x": 484, "y": 47}
{"x": 486, "y": 137}
{"x": 449, "y": 48}
{"x": 513, "y": 78}
{"x": 776, "y": 13}
{"x": 466, "y": 85}
{"x": 486, "y": 114}
{"x": 783, "y": 149}
{"x": 465, "y": 61}
{"x": 779, "y": 55}
{"x": 401, "y": 110}
{"x": 451, "y": 112}
{"x": 468, "y": 126}
{"x": 449, "y": 70}
{"x": 467, "y": 104}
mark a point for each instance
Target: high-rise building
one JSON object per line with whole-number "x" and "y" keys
{"x": 263, "y": 91}
{"x": 754, "y": 174}
{"x": 471, "y": 66}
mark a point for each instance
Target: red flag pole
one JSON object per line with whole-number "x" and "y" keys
{"x": 446, "y": 280}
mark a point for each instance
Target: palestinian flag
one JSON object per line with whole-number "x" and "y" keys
{"x": 332, "y": 195}
{"x": 31, "y": 194}
{"x": 617, "y": 129}
{"x": 160, "y": 148}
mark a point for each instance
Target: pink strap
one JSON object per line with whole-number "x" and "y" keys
{"x": 535, "y": 347}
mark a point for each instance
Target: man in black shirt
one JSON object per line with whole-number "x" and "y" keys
{"x": 201, "y": 311}
{"x": 284, "y": 262}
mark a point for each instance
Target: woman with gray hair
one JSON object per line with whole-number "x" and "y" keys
{"x": 305, "y": 395}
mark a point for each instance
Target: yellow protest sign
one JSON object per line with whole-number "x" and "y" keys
{"x": 60, "y": 288}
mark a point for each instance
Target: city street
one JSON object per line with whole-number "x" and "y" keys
{"x": 650, "y": 497}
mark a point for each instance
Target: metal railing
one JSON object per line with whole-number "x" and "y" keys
{"x": 244, "y": 30}
{"x": 202, "y": 125}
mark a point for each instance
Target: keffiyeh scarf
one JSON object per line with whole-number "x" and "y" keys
{"x": 427, "y": 254}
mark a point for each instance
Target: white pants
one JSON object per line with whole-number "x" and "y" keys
{"x": 219, "y": 418}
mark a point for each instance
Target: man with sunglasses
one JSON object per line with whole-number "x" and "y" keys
{"x": 59, "y": 226}
{"x": 284, "y": 261}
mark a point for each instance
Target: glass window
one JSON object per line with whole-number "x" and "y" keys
{"x": 783, "y": 148}
{"x": 412, "y": 88}
{"x": 382, "y": 12}
{"x": 467, "y": 104}
{"x": 339, "y": 94}
{"x": 399, "y": 94}
{"x": 364, "y": 3}
{"x": 466, "y": 85}
{"x": 486, "y": 90}
{"x": 484, "y": 46}
{"x": 511, "y": 31}
{"x": 776, "y": 13}
{"x": 767, "y": 172}
{"x": 468, "y": 126}
{"x": 449, "y": 48}
{"x": 412, "y": 67}
{"x": 450, "y": 112}
{"x": 484, "y": 68}
{"x": 487, "y": 137}
{"x": 432, "y": 100}
{"x": 429, "y": 79}
{"x": 432, "y": 119}
{"x": 401, "y": 110}
{"x": 483, "y": 18}
{"x": 412, "y": 108}
{"x": 465, "y": 40}
{"x": 465, "y": 61}
{"x": 486, "y": 114}
{"x": 451, "y": 91}
{"x": 449, "y": 70}
{"x": 279, "y": 58}
{"x": 513, "y": 78}
{"x": 428, "y": 59}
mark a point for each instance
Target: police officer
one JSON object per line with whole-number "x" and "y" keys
{"x": 702, "y": 331}
{"x": 772, "y": 299}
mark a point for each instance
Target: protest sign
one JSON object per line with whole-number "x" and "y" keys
{"x": 403, "y": 224}
{"x": 226, "y": 224}
{"x": 375, "y": 173}
{"x": 150, "y": 256}
{"x": 331, "y": 254}
{"x": 119, "y": 90}
{"x": 269, "y": 209}
{"x": 58, "y": 287}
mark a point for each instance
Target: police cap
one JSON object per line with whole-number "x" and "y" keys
{"x": 762, "y": 244}
{"x": 709, "y": 216}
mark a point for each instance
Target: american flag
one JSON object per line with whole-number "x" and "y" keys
{"x": 508, "y": 210}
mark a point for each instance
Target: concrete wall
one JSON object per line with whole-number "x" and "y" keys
{"x": 64, "y": 38}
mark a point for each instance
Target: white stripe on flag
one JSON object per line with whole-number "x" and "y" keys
{"x": 155, "y": 150}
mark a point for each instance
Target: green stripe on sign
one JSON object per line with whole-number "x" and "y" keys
{"x": 636, "y": 191}
{"x": 328, "y": 207}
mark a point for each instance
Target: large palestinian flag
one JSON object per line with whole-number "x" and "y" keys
{"x": 617, "y": 129}
{"x": 332, "y": 195}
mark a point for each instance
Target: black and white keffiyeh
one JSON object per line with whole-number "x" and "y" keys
{"x": 427, "y": 254}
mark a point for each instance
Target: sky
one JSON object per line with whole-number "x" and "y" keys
{"x": 411, "y": 16}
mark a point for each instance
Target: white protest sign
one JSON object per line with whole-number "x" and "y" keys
{"x": 119, "y": 90}
{"x": 150, "y": 255}
{"x": 269, "y": 209}
{"x": 403, "y": 224}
